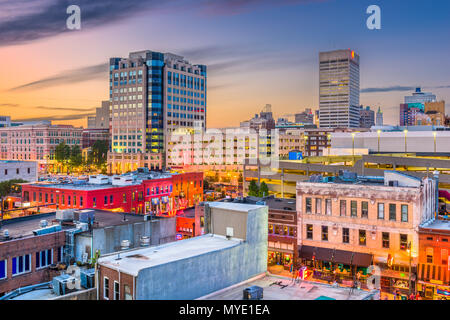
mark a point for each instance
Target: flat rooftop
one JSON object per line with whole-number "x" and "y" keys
{"x": 235, "y": 206}
{"x": 24, "y": 226}
{"x": 288, "y": 291}
{"x": 109, "y": 218}
{"x": 133, "y": 261}
{"x": 439, "y": 225}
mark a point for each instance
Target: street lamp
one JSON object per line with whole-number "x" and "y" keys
{"x": 406, "y": 134}
{"x": 410, "y": 258}
{"x": 353, "y": 144}
{"x": 434, "y": 135}
{"x": 379, "y": 133}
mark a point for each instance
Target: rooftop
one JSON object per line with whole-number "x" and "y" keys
{"x": 24, "y": 226}
{"x": 235, "y": 206}
{"x": 133, "y": 261}
{"x": 439, "y": 225}
{"x": 285, "y": 290}
{"x": 107, "y": 218}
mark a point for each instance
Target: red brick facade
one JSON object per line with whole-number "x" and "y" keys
{"x": 29, "y": 245}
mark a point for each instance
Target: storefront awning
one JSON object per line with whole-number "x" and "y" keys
{"x": 362, "y": 259}
{"x": 343, "y": 257}
{"x": 324, "y": 254}
{"x": 306, "y": 252}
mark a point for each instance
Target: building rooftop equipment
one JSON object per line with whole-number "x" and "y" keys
{"x": 133, "y": 261}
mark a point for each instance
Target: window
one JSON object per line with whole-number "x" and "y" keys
{"x": 127, "y": 291}
{"x": 116, "y": 291}
{"x": 111, "y": 198}
{"x": 362, "y": 237}
{"x": 44, "y": 258}
{"x": 404, "y": 213}
{"x": 318, "y": 205}
{"x": 328, "y": 207}
{"x": 3, "y": 270}
{"x": 364, "y": 209}
{"x": 429, "y": 255}
{"x": 94, "y": 202}
{"x": 392, "y": 211}
{"x": 81, "y": 201}
{"x": 309, "y": 231}
{"x": 124, "y": 198}
{"x": 60, "y": 254}
{"x": 444, "y": 256}
{"x": 385, "y": 240}
{"x": 324, "y": 233}
{"x": 308, "y": 205}
{"x": 354, "y": 208}
{"x": 106, "y": 200}
{"x": 68, "y": 200}
{"x": 381, "y": 211}
{"x": 343, "y": 206}
{"x": 106, "y": 288}
{"x": 21, "y": 264}
{"x": 346, "y": 235}
{"x": 291, "y": 231}
{"x": 403, "y": 241}
{"x": 270, "y": 228}
{"x": 74, "y": 201}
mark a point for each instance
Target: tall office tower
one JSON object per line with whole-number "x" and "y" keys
{"x": 379, "y": 121}
{"x": 414, "y": 107}
{"x": 152, "y": 94}
{"x": 367, "y": 117}
{"x": 339, "y": 89}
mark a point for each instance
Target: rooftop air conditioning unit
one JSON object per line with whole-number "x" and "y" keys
{"x": 87, "y": 277}
{"x": 125, "y": 244}
{"x": 64, "y": 284}
{"x": 43, "y": 223}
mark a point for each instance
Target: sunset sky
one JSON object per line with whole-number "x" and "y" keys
{"x": 257, "y": 51}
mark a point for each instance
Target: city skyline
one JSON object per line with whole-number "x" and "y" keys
{"x": 63, "y": 75}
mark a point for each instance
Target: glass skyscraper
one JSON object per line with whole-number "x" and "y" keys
{"x": 151, "y": 95}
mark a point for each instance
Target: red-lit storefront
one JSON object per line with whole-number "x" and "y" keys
{"x": 157, "y": 196}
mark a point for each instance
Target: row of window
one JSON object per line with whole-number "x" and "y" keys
{"x": 362, "y": 237}
{"x": 281, "y": 230}
{"x": 116, "y": 288}
{"x": 363, "y": 209}
{"x": 22, "y": 264}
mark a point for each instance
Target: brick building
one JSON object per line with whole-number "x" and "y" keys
{"x": 28, "y": 252}
{"x": 348, "y": 223}
{"x": 139, "y": 192}
{"x": 434, "y": 260}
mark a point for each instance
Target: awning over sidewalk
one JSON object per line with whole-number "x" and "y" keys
{"x": 362, "y": 259}
{"x": 336, "y": 256}
{"x": 306, "y": 252}
{"x": 343, "y": 257}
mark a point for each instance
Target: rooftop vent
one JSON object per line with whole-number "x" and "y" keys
{"x": 125, "y": 244}
{"x": 230, "y": 233}
{"x": 145, "y": 241}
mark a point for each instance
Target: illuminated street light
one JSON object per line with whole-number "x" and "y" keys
{"x": 379, "y": 133}
{"x": 434, "y": 135}
{"x": 406, "y": 134}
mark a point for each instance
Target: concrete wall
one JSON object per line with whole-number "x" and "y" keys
{"x": 18, "y": 170}
{"x": 108, "y": 240}
{"x": 200, "y": 275}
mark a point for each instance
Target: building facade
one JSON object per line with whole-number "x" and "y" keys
{"x": 434, "y": 261}
{"x": 26, "y": 257}
{"x": 339, "y": 89}
{"x": 101, "y": 118}
{"x": 151, "y": 95}
{"x": 25, "y": 170}
{"x": 367, "y": 117}
{"x": 233, "y": 250}
{"x": 156, "y": 193}
{"x": 352, "y": 222}
{"x": 37, "y": 142}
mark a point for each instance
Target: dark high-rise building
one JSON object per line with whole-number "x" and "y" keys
{"x": 367, "y": 117}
